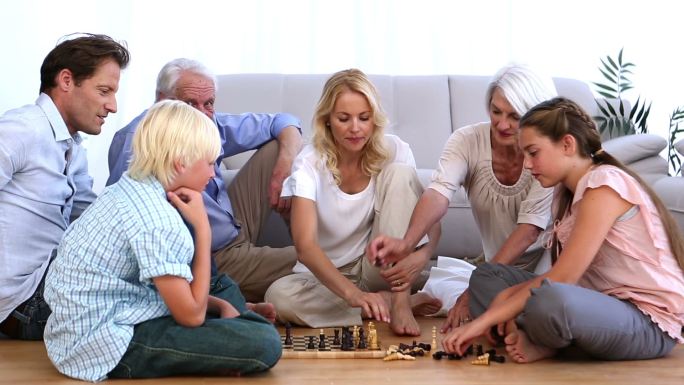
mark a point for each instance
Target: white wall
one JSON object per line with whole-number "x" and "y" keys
{"x": 317, "y": 36}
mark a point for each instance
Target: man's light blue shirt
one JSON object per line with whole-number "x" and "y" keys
{"x": 44, "y": 185}
{"x": 239, "y": 133}
{"x": 100, "y": 284}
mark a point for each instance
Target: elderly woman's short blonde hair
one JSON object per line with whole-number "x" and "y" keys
{"x": 172, "y": 131}
{"x": 374, "y": 154}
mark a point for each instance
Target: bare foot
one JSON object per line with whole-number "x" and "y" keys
{"x": 422, "y": 304}
{"x": 265, "y": 309}
{"x": 402, "y": 321}
{"x": 521, "y": 349}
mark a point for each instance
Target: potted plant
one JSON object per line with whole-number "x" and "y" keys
{"x": 617, "y": 117}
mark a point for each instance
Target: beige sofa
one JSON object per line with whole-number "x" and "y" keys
{"x": 424, "y": 111}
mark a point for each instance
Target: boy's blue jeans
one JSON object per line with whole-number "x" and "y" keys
{"x": 221, "y": 346}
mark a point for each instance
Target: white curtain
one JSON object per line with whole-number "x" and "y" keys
{"x": 560, "y": 38}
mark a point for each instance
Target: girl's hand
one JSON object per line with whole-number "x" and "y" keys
{"x": 458, "y": 340}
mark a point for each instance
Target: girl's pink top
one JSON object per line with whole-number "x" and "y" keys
{"x": 635, "y": 261}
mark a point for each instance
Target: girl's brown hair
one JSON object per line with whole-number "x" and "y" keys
{"x": 558, "y": 117}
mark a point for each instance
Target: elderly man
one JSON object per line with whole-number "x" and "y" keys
{"x": 44, "y": 181}
{"x": 237, "y": 212}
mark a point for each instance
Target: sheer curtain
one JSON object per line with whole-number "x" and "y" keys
{"x": 317, "y": 36}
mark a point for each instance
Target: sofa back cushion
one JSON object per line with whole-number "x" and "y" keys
{"x": 467, "y": 97}
{"x": 417, "y": 106}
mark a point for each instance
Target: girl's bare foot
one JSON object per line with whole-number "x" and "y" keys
{"x": 422, "y": 304}
{"x": 521, "y": 349}
{"x": 265, "y": 309}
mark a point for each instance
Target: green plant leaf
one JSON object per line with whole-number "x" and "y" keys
{"x": 606, "y": 87}
{"x": 606, "y": 95}
{"x": 622, "y": 108}
{"x": 608, "y": 76}
{"x": 608, "y": 67}
{"x": 611, "y": 109}
{"x": 615, "y": 66}
{"x": 620, "y": 56}
{"x": 603, "y": 110}
{"x": 634, "y": 108}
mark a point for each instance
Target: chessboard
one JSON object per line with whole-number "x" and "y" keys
{"x": 299, "y": 350}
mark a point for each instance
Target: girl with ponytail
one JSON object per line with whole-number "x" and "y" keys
{"x": 616, "y": 288}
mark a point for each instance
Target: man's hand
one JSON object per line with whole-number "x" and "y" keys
{"x": 384, "y": 250}
{"x": 289, "y": 143}
{"x": 280, "y": 173}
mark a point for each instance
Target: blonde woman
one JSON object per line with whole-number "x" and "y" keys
{"x": 130, "y": 284}
{"x": 354, "y": 181}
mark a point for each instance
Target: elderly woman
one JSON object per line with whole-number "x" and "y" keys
{"x": 352, "y": 183}
{"x": 510, "y": 207}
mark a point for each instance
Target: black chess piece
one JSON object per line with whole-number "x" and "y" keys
{"x": 321, "y": 340}
{"x": 499, "y": 359}
{"x": 336, "y": 339}
{"x": 479, "y": 350}
{"x": 424, "y": 346}
{"x": 362, "y": 340}
{"x": 311, "y": 344}
{"x": 347, "y": 340}
{"x": 498, "y": 338}
{"x": 288, "y": 335}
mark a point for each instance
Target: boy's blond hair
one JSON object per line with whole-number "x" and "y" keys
{"x": 172, "y": 131}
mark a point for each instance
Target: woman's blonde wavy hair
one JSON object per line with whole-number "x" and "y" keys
{"x": 172, "y": 131}
{"x": 374, "y": 154}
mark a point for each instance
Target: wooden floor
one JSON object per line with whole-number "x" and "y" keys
{"x": 27, "y": 363}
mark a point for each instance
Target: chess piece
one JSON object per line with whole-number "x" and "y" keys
{"x": 321, "y": 340}
{"x": 499, "y": 359}
{"x": 434, "y": 337}
{"x": 311, "y": 344}
{"x": 481, "y": 360}
{"x": 363, "y": 344}
{"x": 373, "y": 337}
{"x": 347, "y": 340}
{"x": 398, "y": 356}
{"x": 355, "y": 334}
{"x": 424, "y": 346}
{"x": 438, "y": 355}
{"x": 288, "y": 335}
{"x": 336, "y": 339}
{"x": 479, "y": 350}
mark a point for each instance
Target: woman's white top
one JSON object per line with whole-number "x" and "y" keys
{"x": 344, "y": 220}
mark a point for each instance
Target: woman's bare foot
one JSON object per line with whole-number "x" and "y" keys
{"x": 521, "y": 349}
{"x": 422, "y": 304}
{"x": 402, "y": 321}
{"x": 265, "y": 309}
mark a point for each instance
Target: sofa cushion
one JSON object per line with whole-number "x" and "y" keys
{"x": 679, "y": 146}
{"x": 670, "y": 192}
{"x": 631, "y": 148}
